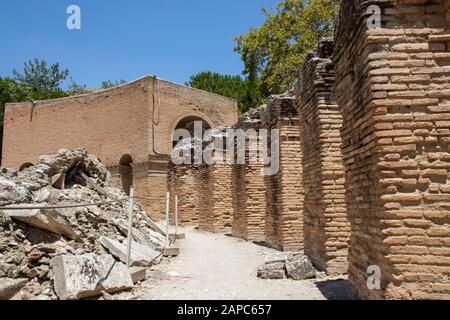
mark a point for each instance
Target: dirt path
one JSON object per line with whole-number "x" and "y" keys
{"x": 220, "y": 267}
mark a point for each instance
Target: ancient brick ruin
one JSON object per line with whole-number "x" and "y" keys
{"x": 284, "y": 204}
{"x": 392, "y": 86}
{"x": 364, "y": 182}
{"x": 215, "y": 199}
{"x": 183, "y": 181}
{"x": 373, "y": 162}
{"x": 249, "y": 191}
{"x": 129, "y": 127}
{"x": 215, "y": 193}
{"x": 326, "y": 230}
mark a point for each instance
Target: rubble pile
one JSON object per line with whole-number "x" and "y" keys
{"x": 295, "y": 266}
{"x": 251, "y": 116}
{"x": 33, "y": 242}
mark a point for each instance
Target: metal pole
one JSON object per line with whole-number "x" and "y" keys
{"x": 130, "y": 226}
{"x": 176, "y": 214}
{"x": 167, "y": 218}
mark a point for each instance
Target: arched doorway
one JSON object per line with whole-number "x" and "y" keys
{"x": 188, "y": 124}
{"x": 25, "y": 166}
{"x": 126, "y": 172}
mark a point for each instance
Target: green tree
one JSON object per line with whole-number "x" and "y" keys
{"x": 41, "y": 80}
{"x": 37, "y": 82}
{"x": 10, "y": 91}
{"x": 273, "y": 52}
{"x": 109, "y": 84}
{"x": 75, "y": 88}
{"x": 229, "y": 86}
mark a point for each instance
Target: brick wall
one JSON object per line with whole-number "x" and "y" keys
{"x": 137, "y": 119}
{"x": 249, "y": 192}
{"x": 183, "y": 180}
{"x": 108, "y": 124}
{"x": 393, "y": 91}
{"x": 178, "y": 102}
{"x": 215, "y": 199}
{"x": 157, "y": 190}
{"x": 284, "y": 212}
{"x": 326, "y": 229}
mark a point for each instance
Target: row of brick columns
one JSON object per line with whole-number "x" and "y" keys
{"x": 392, "y": 87}
{"x": 364, "y": 183}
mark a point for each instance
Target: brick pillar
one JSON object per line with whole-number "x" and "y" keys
{"x": 284, "y": 213}
{"x": 326, "y": 227}
{"x": 216, "y": 205}
{"x": 215, "y": 195}
{"x": 183, "y": 181}
{"x": 393, "y": 91}
{"x": 249, "y": 192}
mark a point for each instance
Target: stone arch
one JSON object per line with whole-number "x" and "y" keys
{"x": 25, "y": 166}
{"x": 188, "y": 123}
{"x": 126, "y": 172}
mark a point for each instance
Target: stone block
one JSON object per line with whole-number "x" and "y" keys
{"x": 78, "y": 277}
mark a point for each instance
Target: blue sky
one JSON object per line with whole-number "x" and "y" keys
{"x": 127, "y": 39}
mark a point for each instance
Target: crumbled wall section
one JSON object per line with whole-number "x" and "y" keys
{"x": 183, "y": 181}
{"x": 284, "y": 212}
{"x": 393, "y": 91}
{"x": 249, "y": 192}
{"x": 326, "y": 227}
{"x": 215, "y": 199}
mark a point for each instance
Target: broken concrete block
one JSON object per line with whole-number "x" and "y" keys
{"x": 152, "y": 239}
{"x": 156, "y": 228}
{"x": 141, "y": 256}
{"x": 272, "y": 271}
{"x": 78, "y": 277}
{"x": 50, "y": 220}
{"x": 278, "y": 257}
{"x": 300, "y": 268}
{"x": 58, "y": 181}
{"x": 179, "y": 236}
{"x": 171, "y": 252}
{"x": 42, "y": 297}
{"x": 9, "y": 287}
{"x": 107, "y": 296}
{"x": 138, "y": 274}
{"x": 11, "y": 192}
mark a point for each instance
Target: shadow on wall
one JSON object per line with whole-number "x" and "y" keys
{"x": 126, "y": 172}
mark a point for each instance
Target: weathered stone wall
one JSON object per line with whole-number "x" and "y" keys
{"x": 249, "y": 192}
{"x": 183, "y": 181}
{"x": 284, "y": 212}
{"x": 393, "y": 91}
{"x": 326, "y": 227}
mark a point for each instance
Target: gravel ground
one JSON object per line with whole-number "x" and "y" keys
{"x": 219, "y": 267}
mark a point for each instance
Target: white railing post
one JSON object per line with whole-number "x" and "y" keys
{"x": 130, "y": 226}
{"x": 167, "y": 218}
{"x": 176, "y": 215}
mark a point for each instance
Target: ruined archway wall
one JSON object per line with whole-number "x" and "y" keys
{"x": 326, "y": 227}
{"x": 284, "y": 190}
{"x": 392, "y": 86}
{"x": 175, "y": 103}
{"x": 108, "y": 124}
{"x": 178, "y": 102}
